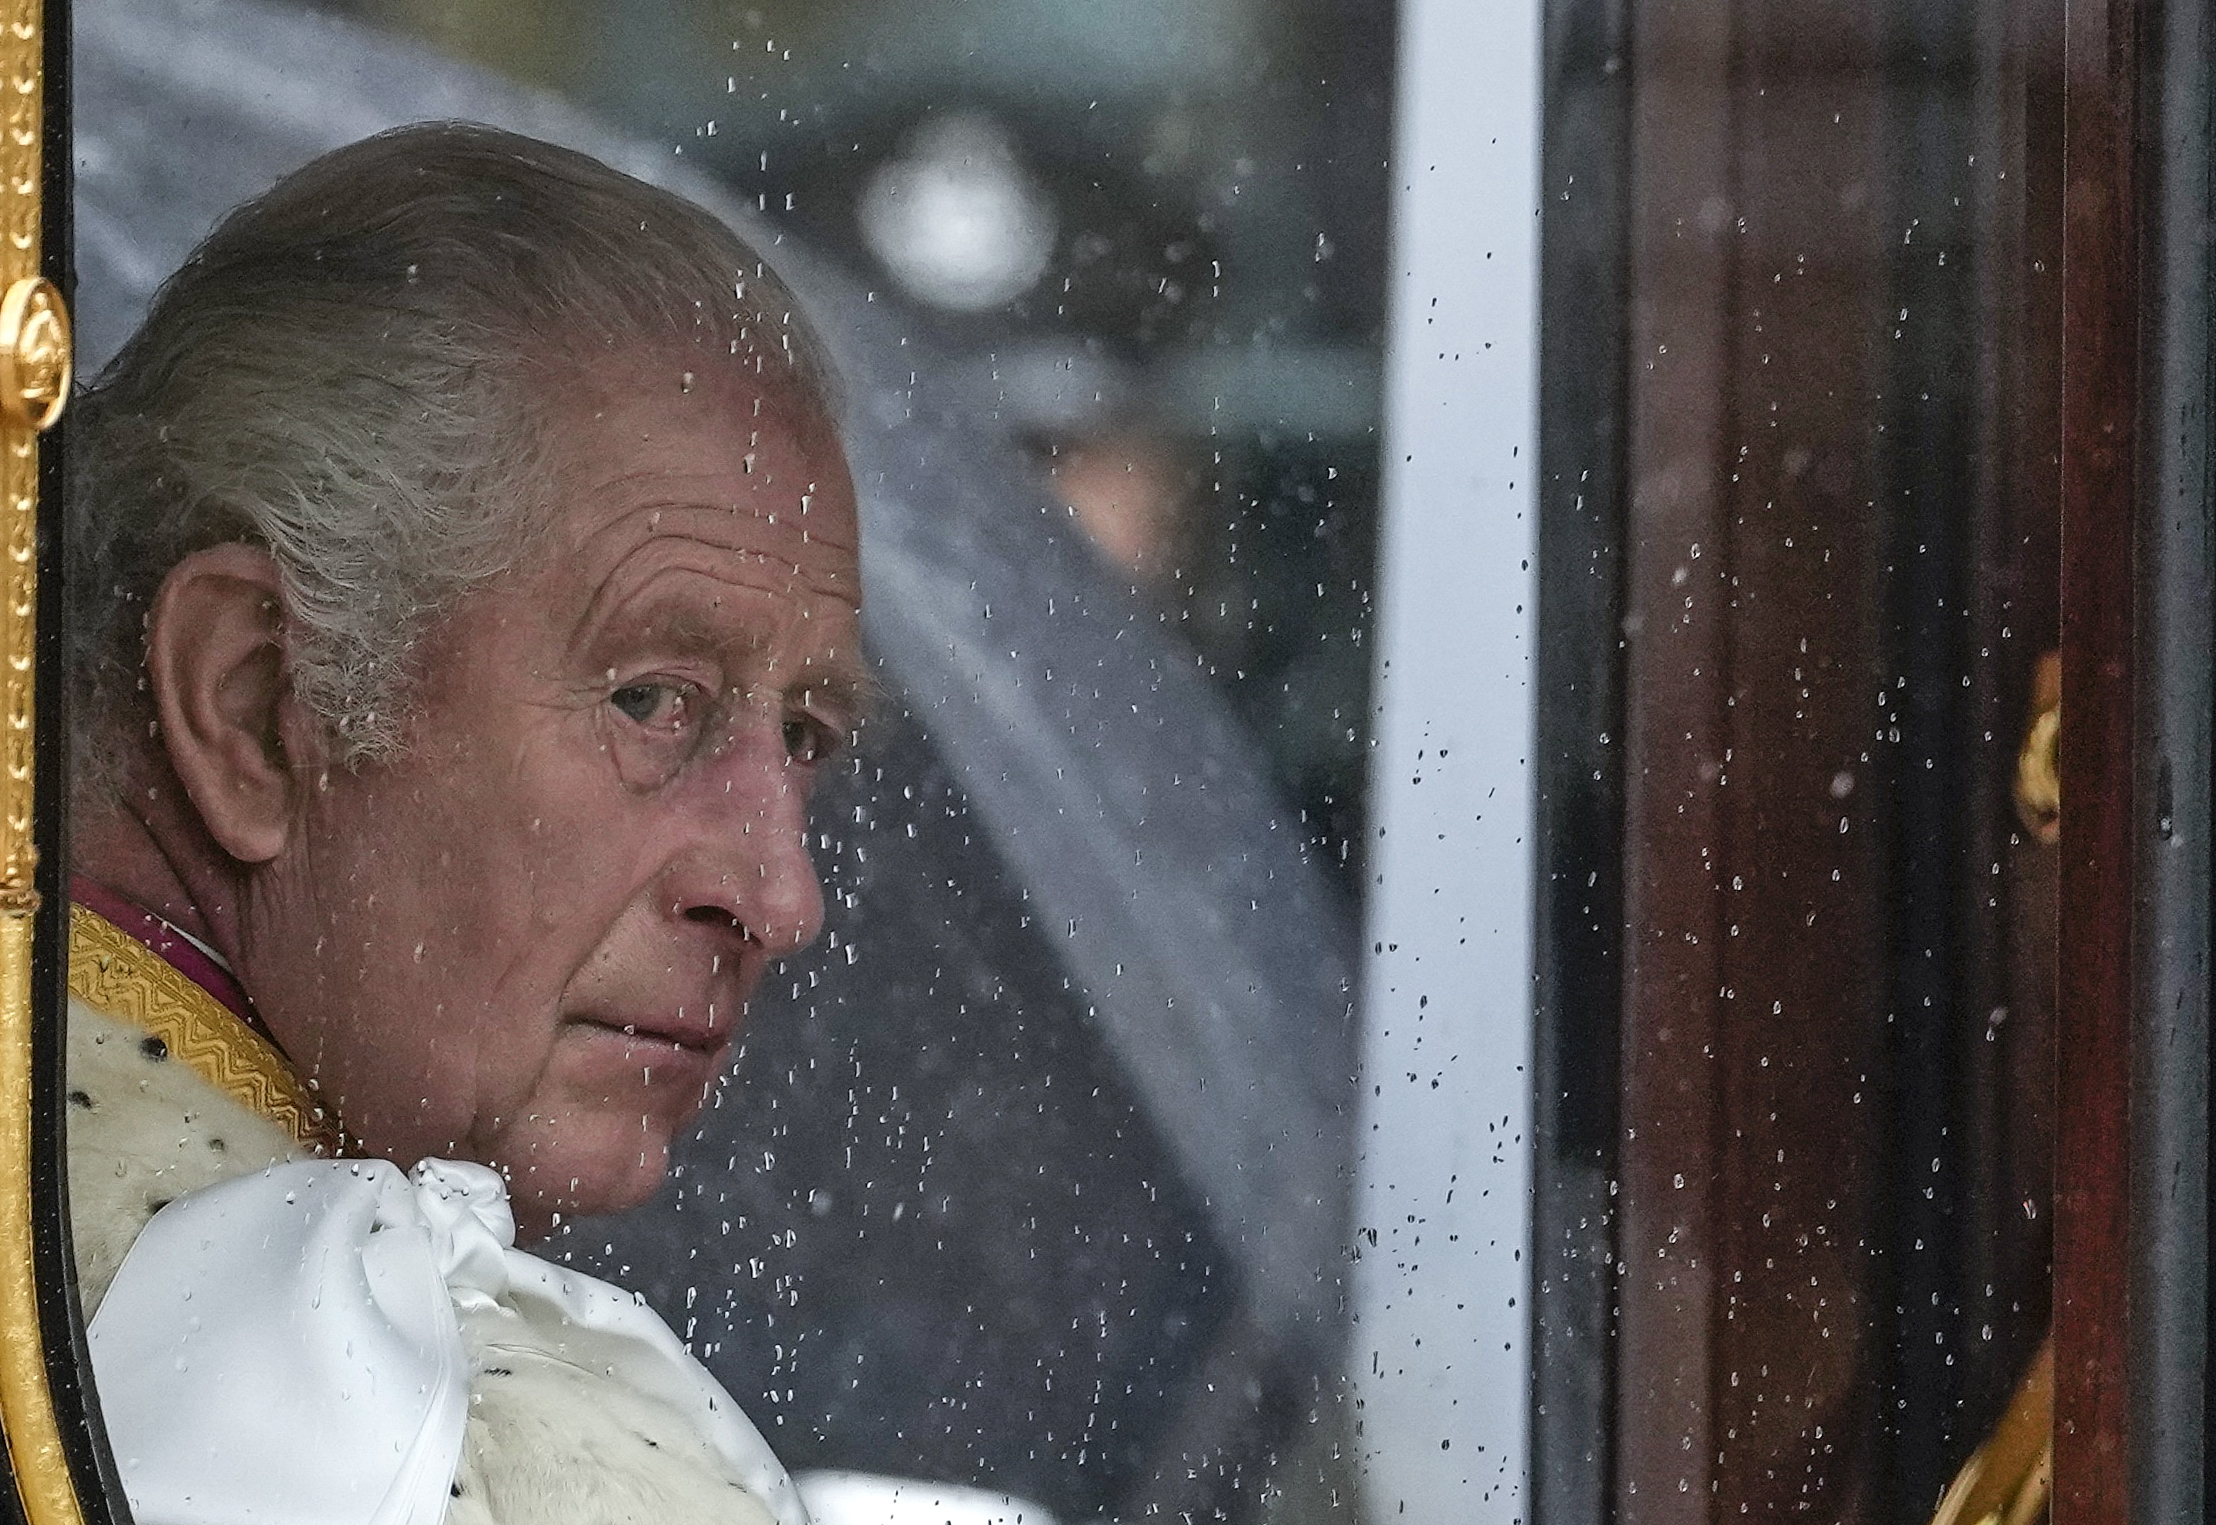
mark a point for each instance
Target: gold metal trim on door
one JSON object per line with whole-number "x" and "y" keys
{"x": 34, "y": 385}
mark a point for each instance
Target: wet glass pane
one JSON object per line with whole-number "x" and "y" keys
{"x": 1423, "y": 886}
{"x": 404, "y": 829}
{"x": 1797, "y": 898}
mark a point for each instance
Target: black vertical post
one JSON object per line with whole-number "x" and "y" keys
{"x": 69, "y": 1371}
{"x": 1578, "y": 974}
{"x": 1926, "y": 454}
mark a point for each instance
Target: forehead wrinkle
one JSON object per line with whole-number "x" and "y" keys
{"x": 754, "y": 619}
{"x": 644, "y": 528}
{"x": 827, "y": 582}
{"x": 708, "y": 517}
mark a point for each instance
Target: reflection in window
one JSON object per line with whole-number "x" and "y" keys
{"x": 1032, "y": 1172}
{"x": 1803, "y": 295}
{"x": 1151, "y": 231}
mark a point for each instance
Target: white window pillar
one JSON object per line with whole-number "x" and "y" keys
{"x": 1441, "y": 1350}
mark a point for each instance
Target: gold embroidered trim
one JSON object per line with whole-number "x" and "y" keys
{"x": 113, "y": 971}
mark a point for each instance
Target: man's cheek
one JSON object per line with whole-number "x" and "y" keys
{"x": 575, "y": 874}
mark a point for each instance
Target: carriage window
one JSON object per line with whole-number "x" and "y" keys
{"x": 1031, "y": 1172}
{"x": 1280, "y": 761}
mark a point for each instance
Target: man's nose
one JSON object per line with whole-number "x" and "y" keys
{"x": 747, "y": 865}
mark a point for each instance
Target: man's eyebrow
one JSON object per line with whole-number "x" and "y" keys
{"x": 842, "y": 682}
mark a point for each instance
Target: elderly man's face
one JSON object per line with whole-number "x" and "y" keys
{"x": 531, "y": 939}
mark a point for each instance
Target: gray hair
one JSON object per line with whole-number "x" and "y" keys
{"x": 351, "y": 372}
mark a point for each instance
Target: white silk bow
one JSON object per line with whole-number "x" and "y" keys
{"x": 285, "y": 1347}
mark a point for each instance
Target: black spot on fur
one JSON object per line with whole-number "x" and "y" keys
{"x": 655, "y": 1444}
{"x": 500, "y": 1371}
{"x": 456, "y": 1490}
{"x": 81, "y": 1099}
{"x": 218, "y": 1146}
{"x": 153, "y": 1048}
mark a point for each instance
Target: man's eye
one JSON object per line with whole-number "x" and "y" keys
{"x": 809, "y": 740}
{"x": 665, "y": 706}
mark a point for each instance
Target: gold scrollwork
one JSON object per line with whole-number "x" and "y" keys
{"x": 2009, "y": 1479}
{"x": 34, "y": 385}
{"x": 2038, "y": 772}
{"x": 35, "y": 353}
{"x": 112, "y": 971}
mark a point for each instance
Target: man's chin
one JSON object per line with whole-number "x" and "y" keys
{"x": 560, "y": 1180}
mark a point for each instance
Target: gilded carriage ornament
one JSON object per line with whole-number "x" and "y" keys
{"x": 34, "y": 386}
{"x": 35, "y": 352}
{"x": 2038, "y": 773}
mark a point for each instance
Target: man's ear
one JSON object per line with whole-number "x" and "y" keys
{"x": 215, "y": 660}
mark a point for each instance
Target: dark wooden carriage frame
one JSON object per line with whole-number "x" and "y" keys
{"x": 1636, "y": 974}
{"x": 2139, "y": 683}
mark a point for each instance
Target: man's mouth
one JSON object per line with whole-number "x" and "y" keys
{"x": 679, "y": 1032}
